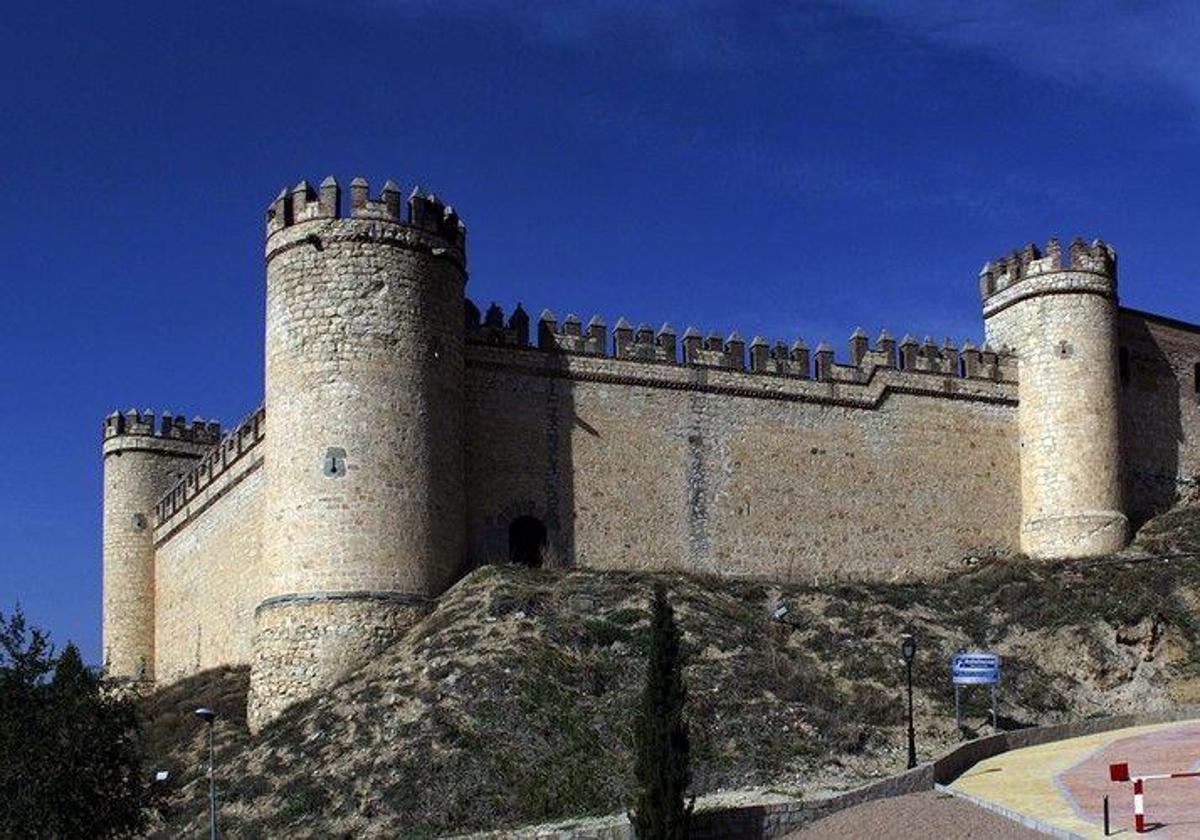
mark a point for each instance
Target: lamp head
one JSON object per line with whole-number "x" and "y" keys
{"x": 206, "y": 715}
{"x": 908, "y": 647}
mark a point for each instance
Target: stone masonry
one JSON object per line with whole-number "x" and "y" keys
{"x": 141, "y": 462}
{"x": 407, "y": 438}
{"x": 1062, "y": 322}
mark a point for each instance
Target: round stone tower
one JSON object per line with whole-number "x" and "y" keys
{"x": 141, "y": 463}
{"x": 364, "y": 476}
{"x": 1060, "y": 318}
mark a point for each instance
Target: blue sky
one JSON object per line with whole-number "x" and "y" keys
{"x": 789, "y": 169}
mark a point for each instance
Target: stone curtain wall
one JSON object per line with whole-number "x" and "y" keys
{"x": 1160, "y": 416}
{"x": 635, "y": 465}
{"x": 629, "y": 465}
{"x": 209, "y": 577}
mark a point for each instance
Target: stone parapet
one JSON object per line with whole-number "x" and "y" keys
{"x": 1031, "y": 273}
{"x": 939, "y": 371}
{"x": 195, "y": 488}
{"x": 120, "y": 430}
{"x": 303, "y": 215}
{"x": 795, "y": 361}
{"x": 778, "y": 816}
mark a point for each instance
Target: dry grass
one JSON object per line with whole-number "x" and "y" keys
{"x": 511, "y": 702}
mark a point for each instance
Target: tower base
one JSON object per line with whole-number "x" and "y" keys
{"x": 306, "y": 643}
{"x": 1070, "y": 536}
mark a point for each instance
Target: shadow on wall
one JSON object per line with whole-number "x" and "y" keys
{"x": 527, "y": 449}
{"x": 558, "y": 495}
{"x": 1151, "y": 428}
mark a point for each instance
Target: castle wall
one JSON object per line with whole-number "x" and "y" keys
{"x": 635, "y": 465}
{"x": 412, "y": 441}
{"x": 208, "y": 575}
{"x": 870, "y": 473}
{"x": 1160, "y": 412}
{"x": 208, "y": 580}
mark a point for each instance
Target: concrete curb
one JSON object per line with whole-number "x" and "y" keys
{"x": 1029, "y": 822}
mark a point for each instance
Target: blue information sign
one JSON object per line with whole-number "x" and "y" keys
{"x": 975, "y": 668}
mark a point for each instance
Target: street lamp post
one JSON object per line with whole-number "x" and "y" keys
{"x": 908, "y": 647}
{"x": 208, "y": 716}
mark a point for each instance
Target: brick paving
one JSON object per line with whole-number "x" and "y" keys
{"x": 1172, "y": 806}
{"x": 919, "y": 816}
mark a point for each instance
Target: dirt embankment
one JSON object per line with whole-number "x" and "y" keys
{"x": 511, "y": 702}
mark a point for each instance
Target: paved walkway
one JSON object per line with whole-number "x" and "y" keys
{"x": 917, "y": 816}
{"x": 1063, "y": 783}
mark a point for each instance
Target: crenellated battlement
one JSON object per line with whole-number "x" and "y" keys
{"x": 422, "y": 211}
{"x": 224, "y": 454}
{"x": 1098, "y": 258}
{"x": 664, "y": 346}
{"x": 171, "y": 427}
{"x": 493, "y": 329}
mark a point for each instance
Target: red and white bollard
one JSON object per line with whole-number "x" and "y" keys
{"x": 1120, "y": 773}
{"x": 1139, "y": 806}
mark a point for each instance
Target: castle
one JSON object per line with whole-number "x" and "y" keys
{"x": 406, "y": 439}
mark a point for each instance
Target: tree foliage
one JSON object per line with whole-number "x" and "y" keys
{"x": 71, "y": 765}
{"x": 661, "y": 732}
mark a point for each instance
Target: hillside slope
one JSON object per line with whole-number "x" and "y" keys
{"x": 511, "y": 702}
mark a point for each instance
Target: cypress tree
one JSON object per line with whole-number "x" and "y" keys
{"x": 661, "y": 734}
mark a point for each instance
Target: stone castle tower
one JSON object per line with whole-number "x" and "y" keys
{"x": 364, "y": 504}
{"x": 1061, "y": 320}
{"x": 404, "y": 441}
{"x": 141, "y": 462}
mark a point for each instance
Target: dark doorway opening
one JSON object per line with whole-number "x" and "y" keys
{"x": 526, "y": 541}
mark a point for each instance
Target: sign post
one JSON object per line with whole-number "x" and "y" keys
{"x": 974, "y": 668}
